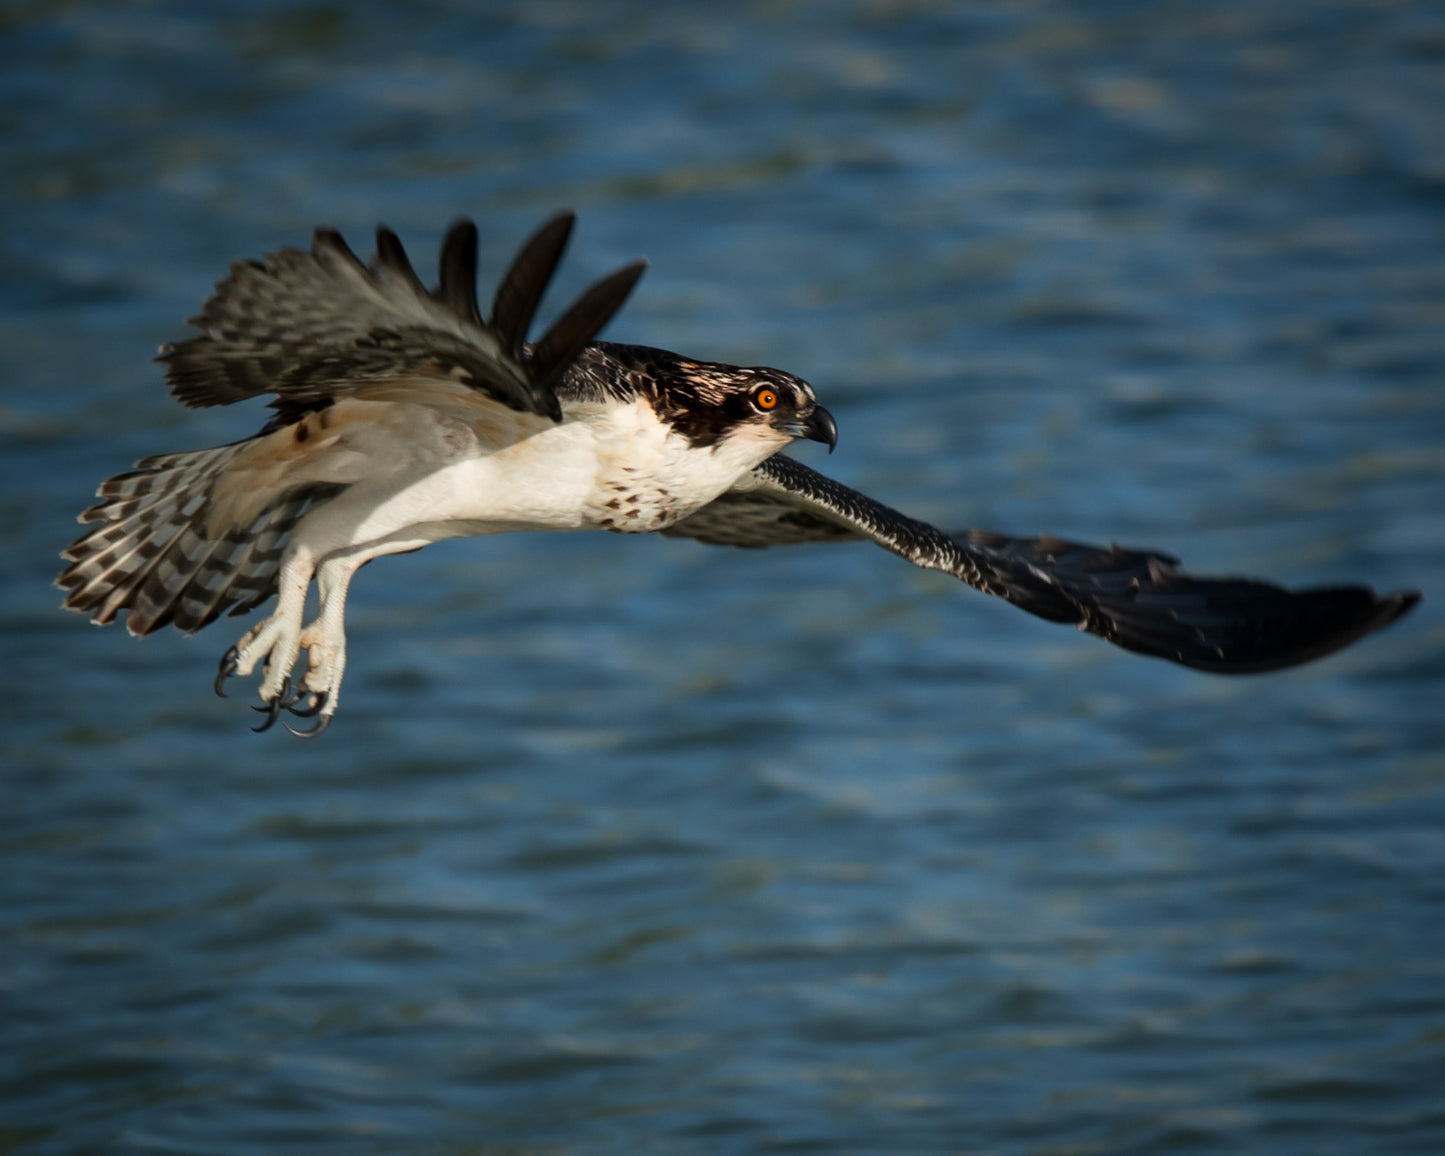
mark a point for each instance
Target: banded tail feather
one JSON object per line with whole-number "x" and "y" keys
{"x": 155, "y": 555}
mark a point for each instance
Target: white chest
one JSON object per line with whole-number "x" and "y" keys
{"x": 606, "y": 466}
{"x": 617, "y": 467}
{"x": 646, "y": 476}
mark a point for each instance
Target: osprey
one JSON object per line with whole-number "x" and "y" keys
{"x": 403, "y": 417}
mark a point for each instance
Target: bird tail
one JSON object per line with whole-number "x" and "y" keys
{"x": 155, "y": 554}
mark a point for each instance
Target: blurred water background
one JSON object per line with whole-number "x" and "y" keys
{"x": 628, "y": 845}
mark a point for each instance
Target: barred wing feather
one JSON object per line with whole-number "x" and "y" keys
{"x": 308, "y": 325}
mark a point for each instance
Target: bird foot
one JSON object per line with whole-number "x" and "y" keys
{"x": 288, "y": 700}
{"x": 312, "y": 696}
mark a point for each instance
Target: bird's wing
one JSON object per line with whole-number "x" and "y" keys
{"x": 1136, "y": 599}
{"x": 310, "y": 325}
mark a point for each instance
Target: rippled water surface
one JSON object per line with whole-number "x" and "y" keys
{"x": 635, "y": 845}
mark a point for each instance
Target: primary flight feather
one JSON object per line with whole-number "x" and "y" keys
{"x": 404, "y": 417}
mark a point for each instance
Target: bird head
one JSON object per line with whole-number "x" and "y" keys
{"x": 710, "y": 403}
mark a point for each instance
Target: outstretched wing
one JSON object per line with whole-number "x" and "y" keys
{"x": 1136, "y": 599}
{"x": 309, "y": 325}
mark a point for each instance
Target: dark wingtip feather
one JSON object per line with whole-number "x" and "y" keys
{"x": 327, "y": 242}
{"x": 520, "y": 290}
{"x": 1140, "y": 601}
{"x": 391, "y": 258}
{"x": 458, "y": 288}
{"x": 1245, "y": 626}
{"x": 1401, "y": 604}
{"x": 1346, "y": 615}
{"x": 561, "y": 344}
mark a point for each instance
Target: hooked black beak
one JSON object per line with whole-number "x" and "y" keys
{"x": 820, "y": 427}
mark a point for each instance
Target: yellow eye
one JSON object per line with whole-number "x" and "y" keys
{"x": 765, "y": 398}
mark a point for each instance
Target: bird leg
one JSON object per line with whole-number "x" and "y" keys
{"x": 316, "y": 693}
{"x": 276, "y": 640}
{"x": 324, "y": 640}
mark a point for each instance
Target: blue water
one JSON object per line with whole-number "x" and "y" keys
{"x": 626, "y": 845}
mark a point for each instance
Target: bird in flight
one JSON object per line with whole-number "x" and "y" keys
{"x": 403, "y": 417}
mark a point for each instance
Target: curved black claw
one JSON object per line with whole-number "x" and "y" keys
{"x": 229, "y": 661}
{"x": 272, "y": 709}
{"x": 307, "y": 711}
{"x": 321, "y": 724}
